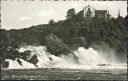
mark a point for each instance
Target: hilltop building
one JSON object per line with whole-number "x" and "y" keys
{"x": 90, "y": 12}
{"x": 101, "y": 14}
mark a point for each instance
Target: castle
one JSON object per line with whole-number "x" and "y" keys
{"x": 90, "y": 12}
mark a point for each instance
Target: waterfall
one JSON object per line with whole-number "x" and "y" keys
{"x": 87, "y": 59}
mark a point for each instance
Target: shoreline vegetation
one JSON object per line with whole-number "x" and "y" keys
{"x": 63, "y": 36}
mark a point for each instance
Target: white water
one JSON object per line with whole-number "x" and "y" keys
{"x": 16, "y": 65}
{"x": 87, "y": 58}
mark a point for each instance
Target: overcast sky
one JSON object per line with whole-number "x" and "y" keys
{"x": 23, "y": 14}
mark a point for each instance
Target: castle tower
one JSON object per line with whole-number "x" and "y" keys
{"x": 88, "y": 11}
{"x": 108, "y": 14}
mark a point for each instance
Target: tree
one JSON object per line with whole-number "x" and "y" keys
{"x": 55, "y": 45}
{"x": 70, "y": 13}
{"x": 51, "y": 22}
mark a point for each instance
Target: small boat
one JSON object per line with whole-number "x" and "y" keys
{"x": 103, "y": 64}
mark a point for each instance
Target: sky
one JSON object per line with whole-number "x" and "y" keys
{"x": 23, "y": 14}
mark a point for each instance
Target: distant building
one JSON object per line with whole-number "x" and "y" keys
{"x": 101, "y": 14}
{"x": 90, "y": 12}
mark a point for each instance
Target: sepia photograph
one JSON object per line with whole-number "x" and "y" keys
{"x": 64, "y": 39}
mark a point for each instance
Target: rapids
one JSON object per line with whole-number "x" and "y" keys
{"x": 87, "y": 58}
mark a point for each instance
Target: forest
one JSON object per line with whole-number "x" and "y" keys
{"x": 65, "y": 35}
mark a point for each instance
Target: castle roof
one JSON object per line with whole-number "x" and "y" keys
{"x": 101, "y": 11}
